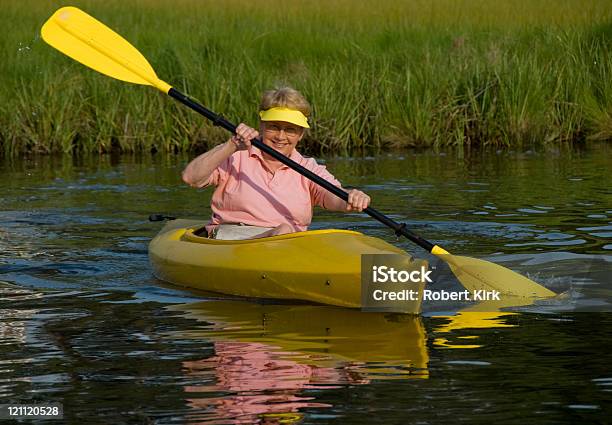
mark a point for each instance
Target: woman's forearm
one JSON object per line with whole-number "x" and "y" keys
{"x": 333, "y": 203}
{"x": 357, "y": 201}
{"x": 197, "y": 172}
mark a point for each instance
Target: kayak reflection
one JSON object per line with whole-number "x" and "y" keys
{"x": 266, "y": 355}
{"x": 319, "y": 335}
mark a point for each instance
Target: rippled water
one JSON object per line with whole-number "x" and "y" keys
{"x": 83, "y": 321}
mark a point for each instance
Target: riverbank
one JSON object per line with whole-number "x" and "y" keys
{"x": 412, "y": 73}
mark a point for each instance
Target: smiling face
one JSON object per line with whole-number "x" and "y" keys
{"x": 282, "y": 136}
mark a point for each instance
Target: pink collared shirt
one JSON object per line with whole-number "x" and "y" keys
{"x": 248, "y": 192}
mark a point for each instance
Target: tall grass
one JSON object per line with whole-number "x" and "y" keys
{"x": 392, "y": 73}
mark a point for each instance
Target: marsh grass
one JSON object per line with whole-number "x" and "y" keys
{"x": 390, "y": 74}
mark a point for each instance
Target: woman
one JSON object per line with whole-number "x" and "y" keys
{"x": 256, "y": 195}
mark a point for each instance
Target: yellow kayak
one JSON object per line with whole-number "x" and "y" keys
{"x": 322, "y": 266}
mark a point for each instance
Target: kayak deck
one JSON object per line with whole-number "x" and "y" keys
{"x": 322, "y": 266}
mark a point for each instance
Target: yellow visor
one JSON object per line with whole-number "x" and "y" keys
{"x": 286, "y": 115}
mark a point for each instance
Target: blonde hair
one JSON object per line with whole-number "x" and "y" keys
{"x": 285, "y": 97}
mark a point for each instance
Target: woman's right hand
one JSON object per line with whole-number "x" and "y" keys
{"x": 244, "y": 134}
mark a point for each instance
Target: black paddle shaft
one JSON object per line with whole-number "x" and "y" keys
{"x": 219, "y": 120}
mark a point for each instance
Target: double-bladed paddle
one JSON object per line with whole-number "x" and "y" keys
{"x": 86, "y": 40}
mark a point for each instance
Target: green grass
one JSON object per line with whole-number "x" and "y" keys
{"x": 391, "y": 74}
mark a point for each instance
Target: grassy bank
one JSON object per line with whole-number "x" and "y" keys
{"x": 390, "y": 74}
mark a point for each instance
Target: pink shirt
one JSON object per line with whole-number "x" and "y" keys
{"x": 248, "y": 192}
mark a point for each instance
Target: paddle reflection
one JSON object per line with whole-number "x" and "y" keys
{"x": 268, "y": 357}
{"x": 484, "y": 315}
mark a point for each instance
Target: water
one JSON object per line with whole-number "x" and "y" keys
{"x": 83, "y": 321}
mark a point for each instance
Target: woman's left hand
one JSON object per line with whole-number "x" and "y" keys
{"x": 357, "y": 200}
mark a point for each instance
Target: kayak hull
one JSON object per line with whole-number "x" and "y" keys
{"x": 322, "y": 266}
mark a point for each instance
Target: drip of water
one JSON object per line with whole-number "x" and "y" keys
{"x": 27, "y": 47}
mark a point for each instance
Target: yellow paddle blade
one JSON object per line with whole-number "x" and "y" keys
{"x": 87, "y": 40}
{"x": 475, "y": 274}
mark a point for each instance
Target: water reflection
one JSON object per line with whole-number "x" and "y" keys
{"x": 103, "y": 347}
{"x": 268, "y": 357}
{"x": 482, "y": 315}
{"x": 468, "y": 320}
{"x": 13, "y": 334}
{"x": 254, "y": 382}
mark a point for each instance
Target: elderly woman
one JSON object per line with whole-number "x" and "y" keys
{"x": 256, "y": 195}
